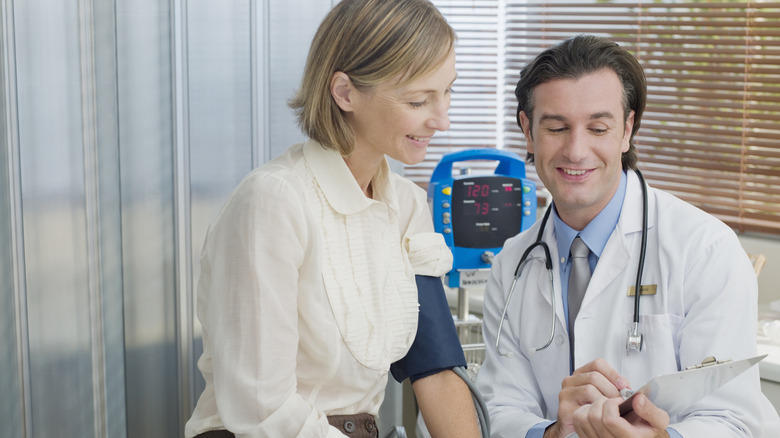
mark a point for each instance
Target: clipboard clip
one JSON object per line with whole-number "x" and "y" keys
{"x": 707, "y": 362}
{"x": 677, "y": 391}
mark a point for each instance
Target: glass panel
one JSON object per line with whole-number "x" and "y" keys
{"x": 52, "y": 169}
{"x": 145, "y": 93}
{"x": 110, "y": 227}
{"x": 10, "y": 413}
{"x": 291, "y": 28}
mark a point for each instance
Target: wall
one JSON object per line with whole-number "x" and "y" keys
{"x": 769, "y": 277}
{"x": 123, "y": 126}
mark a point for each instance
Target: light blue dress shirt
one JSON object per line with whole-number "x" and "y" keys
{"x": 595, "y": 235}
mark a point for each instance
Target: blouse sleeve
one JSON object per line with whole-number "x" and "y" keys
{"x": 250, "y": 321}
{"x": 428, "y": 253}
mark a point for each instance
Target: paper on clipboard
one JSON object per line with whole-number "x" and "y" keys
{"x": 677, "y": 391}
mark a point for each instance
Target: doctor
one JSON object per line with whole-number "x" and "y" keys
{"x": 580, "y": 104}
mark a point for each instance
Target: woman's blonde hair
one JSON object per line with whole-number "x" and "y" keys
{"x": 372, "y": 41}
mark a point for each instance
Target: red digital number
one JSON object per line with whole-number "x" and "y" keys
{"x": 477, "y": 190}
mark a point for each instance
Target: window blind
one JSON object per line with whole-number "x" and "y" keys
{"x": 476, "y": 111}
{"x": 711, "y": 130}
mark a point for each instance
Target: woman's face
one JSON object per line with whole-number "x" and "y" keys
{"x": 399, "y": 121}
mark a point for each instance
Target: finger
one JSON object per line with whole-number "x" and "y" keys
{"x": 581, "y": 422}
{"x": 656, "y": 417}
{"x": 611, "y": 424}
{"x": 572, "y": 396}
{"x": 602, "y": 367}
{"x": 571, "y": 399}
{"x": 605, "y": 386}
{"x": 602, "y": 418}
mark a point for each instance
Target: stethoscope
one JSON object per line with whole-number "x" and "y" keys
{"x": 634, "y": 340}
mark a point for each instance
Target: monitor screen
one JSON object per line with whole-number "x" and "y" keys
{"x": 486, "y": 210}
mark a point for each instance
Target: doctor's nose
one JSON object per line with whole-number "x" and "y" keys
{"x": 577, "y": 146}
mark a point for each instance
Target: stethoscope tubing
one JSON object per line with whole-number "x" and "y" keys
{"x": 509, "y": 297}
{"x": 548, "y": 264}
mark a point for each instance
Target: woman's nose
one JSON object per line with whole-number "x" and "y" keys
{"x": 440, "y": 120}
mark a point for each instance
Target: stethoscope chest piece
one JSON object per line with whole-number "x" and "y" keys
{"x": 634, "y": 340}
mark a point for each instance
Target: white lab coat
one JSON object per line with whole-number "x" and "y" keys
{"x": 705, "y": 305}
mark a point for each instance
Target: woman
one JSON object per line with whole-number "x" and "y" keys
{"x": 307, "y": 291}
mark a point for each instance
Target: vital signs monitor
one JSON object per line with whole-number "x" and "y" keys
{"x": 477, "y": 213}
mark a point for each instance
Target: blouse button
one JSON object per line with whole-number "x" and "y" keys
{"x": 349, "y": 426}
{"x": 370, "y": 426}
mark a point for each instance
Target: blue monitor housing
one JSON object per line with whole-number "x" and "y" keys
{"x": 476, "y": 214}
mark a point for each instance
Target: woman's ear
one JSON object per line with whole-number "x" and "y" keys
{"x": 341, "y": 89}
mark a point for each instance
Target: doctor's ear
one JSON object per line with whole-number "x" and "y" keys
{"x": 525, "y": 125}
{"x": 627, "y": 131}
{"x": 341, "y": 89}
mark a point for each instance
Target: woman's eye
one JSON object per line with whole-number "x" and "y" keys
{"x": 417, "y": 104}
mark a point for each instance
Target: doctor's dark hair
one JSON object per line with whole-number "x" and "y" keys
{"x": 577, "y": 57}
{"x": 373, "y": 42}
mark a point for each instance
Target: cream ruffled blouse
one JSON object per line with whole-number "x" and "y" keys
{"x": 307, "y": 294}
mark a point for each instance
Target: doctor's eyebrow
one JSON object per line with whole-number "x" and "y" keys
{"x": 560, "y": 118}
{"x": 554, "y": 117}
{"x": 602, "y": 115}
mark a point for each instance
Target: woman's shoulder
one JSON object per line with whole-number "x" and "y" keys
{"x": 272, "y": 182}
{"x": 283, "y": 168}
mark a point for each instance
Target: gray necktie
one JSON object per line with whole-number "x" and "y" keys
{"x": 578, "y": 282}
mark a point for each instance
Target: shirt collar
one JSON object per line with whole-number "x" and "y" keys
{"x": 597, "y": 232}
{"x": 339, "y": 186}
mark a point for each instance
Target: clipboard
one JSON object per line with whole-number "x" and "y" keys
{"x": 677, "y": 391}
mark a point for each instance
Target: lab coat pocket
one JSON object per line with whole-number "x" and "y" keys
{"x": 659, "y": 349}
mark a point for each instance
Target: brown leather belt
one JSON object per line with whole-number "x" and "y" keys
{"x": 356, "y": 425}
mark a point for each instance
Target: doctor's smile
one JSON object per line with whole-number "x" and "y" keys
{"x": 573, "y": 172}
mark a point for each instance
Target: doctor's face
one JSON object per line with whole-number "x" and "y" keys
{"x": 578, "y": 136}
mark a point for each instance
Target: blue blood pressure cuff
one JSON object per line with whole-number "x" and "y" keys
{"x": 436, "y": 346}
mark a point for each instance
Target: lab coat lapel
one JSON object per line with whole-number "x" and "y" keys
{"x": 616, "y": 255}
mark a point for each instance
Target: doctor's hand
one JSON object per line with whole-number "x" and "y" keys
{"x": 602, "y": 419}
{"x": 591, "y": 382}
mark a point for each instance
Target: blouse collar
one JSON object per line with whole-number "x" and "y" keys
{"x": 339, "y": 186}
